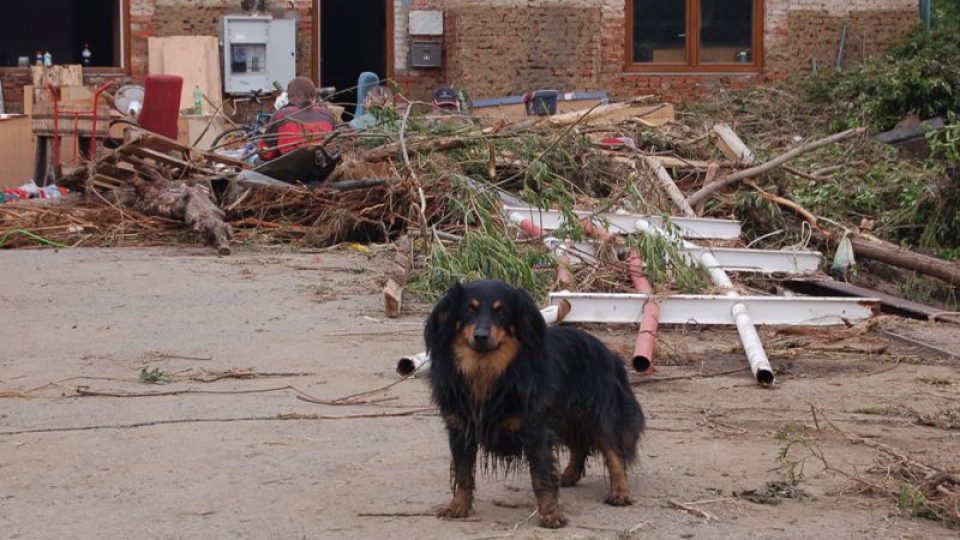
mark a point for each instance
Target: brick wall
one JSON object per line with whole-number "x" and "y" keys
{"x": 161, "y": 18}
{"x": 499, "y": 47}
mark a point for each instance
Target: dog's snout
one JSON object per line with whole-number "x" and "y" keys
{"x": 481, "y": 335}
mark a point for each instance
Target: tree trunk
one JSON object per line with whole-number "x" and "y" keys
{"x": 904, "y": 258}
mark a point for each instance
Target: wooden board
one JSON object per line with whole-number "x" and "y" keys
{"x": 888, "y": 302}
{"x": 16, "y": 150}
{"x": 69, "y": 75}
{"x": 195, "y": 58}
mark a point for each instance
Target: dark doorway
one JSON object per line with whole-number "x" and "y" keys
{"x": 62, "y": 27}
{"x": 353, "y": 39}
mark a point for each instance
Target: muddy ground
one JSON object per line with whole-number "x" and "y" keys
{"x": 210, "y": 462}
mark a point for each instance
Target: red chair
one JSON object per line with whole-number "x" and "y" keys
{"x": 161, "y": 104}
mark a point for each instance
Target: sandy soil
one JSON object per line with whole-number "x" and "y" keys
{"x": 207, "y": 463}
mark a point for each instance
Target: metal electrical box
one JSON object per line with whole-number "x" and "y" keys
{"x": 257, "y": 50}
{"x": 426, "y": 54}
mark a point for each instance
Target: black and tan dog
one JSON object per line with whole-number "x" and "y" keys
{"x": 511, "y": 387}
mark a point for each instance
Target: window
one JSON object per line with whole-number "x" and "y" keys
{"x": 694, "y": 35}
{"x": 64, "y": 28}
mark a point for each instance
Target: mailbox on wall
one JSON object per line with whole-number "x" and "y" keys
{"x": 257, "y": 50}
{"x": 426, "y": 54}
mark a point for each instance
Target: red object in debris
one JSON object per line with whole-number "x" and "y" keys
{"x": 161, "y": 104}
{"x": 647, "y": 337}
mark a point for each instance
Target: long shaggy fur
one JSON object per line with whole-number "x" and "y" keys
{"x": 509, "y": 387}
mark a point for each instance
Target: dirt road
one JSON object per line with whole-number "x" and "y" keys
{"x": 207, "y": 461}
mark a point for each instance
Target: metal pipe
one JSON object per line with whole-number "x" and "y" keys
{"x": 925, "y": 14}
{"x": 752, "y": 345}
{"x": 647, "y": 336}
{"x": 420, "y": 363}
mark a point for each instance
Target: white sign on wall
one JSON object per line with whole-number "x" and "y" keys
{"x": 426, "y": 23}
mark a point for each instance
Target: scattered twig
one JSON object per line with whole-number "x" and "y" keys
{"x": 276, "y": 418}
{"x": 693, "y": 510}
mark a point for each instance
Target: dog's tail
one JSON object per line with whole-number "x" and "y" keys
{"x": 631, "y": 421}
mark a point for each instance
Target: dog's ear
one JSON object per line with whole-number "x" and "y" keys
{"x": 439, "y": 329}
{"x": 531, "y": 329}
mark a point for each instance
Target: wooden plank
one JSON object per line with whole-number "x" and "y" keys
{"x": 158, "y": 157}
{"x": 195, "y": 58}
{"x": 888, "y": 302}
{"x": 732, "y": 146}
{"x": 671, "y": 162}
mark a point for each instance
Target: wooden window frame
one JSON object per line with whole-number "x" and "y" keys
{"x": 692, "y": 65}
{"x": 121, "y": 53}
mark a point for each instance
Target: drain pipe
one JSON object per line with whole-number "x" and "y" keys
{"x": 647, "y": 336}
{"x": 649, "y": 321}
{"x": 420, "y": 363}
{"x": 752, "y": 346}
{"x": 564, "y": 275}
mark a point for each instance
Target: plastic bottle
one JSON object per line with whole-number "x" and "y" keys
{"x": 86, "y": 55}
{"x": 47, "y": 59}
{"x": 197, "y": 100}
{"x": 39, "y": 59}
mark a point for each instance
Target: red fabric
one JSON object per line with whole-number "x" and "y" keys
{"x": 161, "y": 105}
{"x": 295, "y": 127}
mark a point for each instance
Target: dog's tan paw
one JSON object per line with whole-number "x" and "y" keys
{"x": 619, "y": 499}
{"x": 454, "y": 510}
{"x": 553, "y": 520}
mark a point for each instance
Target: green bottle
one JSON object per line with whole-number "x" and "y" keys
{"x": 197, "y": 100}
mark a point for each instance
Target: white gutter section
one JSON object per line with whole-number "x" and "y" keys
{"x": 762, "y": 261}
{"x": 420, "y": 363}
{"x": 752, "y": 346}
{"x": 617, "y": 223}
{"x": 709, "y": 310}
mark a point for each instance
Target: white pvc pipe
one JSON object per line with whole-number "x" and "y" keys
{"x": 752, "y": 346}
{"x": 420, "y": 363}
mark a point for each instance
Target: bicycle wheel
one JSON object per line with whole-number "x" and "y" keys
{"x": 231, "y": 141}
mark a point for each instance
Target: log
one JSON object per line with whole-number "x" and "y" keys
{"x": 895, "y": 255}
{"x": 708, "y": 190}
{"x": 879, "y": 250}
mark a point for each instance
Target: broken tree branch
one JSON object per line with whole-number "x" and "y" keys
{"x": 708, "y": 190}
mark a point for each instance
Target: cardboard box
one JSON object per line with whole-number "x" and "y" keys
{"x": 191, "y": 126}
{"x": 77, "y": 93}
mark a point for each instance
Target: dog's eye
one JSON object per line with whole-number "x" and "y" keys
{"x": 471, "y": 309}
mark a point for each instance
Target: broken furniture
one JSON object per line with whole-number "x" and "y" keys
{"x": 161, "y": 105}
{"x": 85, "y": 124}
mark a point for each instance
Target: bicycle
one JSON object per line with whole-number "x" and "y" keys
{"x": 241, "y": 141}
